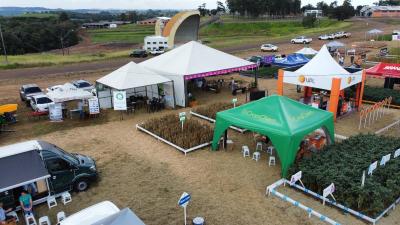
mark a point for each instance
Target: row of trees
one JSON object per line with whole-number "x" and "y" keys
{"x": 333, "y": 10}
{"x": 204, "y": 11}
{"x": 29, "y": 34}
{"x": 255, "y": 8}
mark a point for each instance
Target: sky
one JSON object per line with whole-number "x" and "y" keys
{"x": 135, "y": 4}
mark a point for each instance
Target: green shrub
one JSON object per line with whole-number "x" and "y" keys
{"x": 309, "y": 21}
{"x": 377, "y": 94}
{"x": 344, "y": 163}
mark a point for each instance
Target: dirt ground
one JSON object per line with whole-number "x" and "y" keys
{"x": 138, "y": 172}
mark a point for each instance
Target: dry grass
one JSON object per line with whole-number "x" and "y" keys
{"x": 211, "y": 110}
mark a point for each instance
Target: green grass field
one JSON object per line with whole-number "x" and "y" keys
{"x": 130, "y": 33}
{"x": 232, "y": 33}
{"x": 39, "y": 15}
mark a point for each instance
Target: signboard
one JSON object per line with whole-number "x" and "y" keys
{"x": 182, "y": 118}
{"x": 55, "y": 112}
{"x": 94, "y": 106}
{"x": 384, "y": 160}
{"x": 296, "y": 177}
{"x": 119, "y": 100}
{"x": 329, "y": 190}
{"x": 234, "y": 101}
{"x": 397, "y": 153}
{"x": 372, "y": 167}
{"x": 184, "y": 199}
{"x": 182, "y": 114}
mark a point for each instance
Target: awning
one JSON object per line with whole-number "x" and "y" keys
{"x": 20, "y": 169}
{"x": 292, "y": 60}
{"x": 385, "y": 70}
{"x": 125, "y": 217}
{"x": 68, "y": 92}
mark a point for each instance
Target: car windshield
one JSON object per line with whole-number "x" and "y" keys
{"x": 84, "y": 84}
{"x": 69, "y": 156}
{"x": 31, "y": 90}
{"x": 43, "y": 100}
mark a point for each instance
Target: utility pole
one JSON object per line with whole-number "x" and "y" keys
{"x": 4, "y": 46}
{"x": 62, "y": 44}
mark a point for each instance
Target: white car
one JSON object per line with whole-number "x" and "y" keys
{"x": 269, "y": 48}
{"x": 326, "y": 37}
{"x": 156, "y": 52}
{"x": 83, "y": 84}
{"x": 342, "y": 34}
{"x": 301, "y": 40}
{"x": 40, "y": 103}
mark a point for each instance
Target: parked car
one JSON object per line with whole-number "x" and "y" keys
{"x": 28, "y": 90}
{"x": 45, "y": 169}
{"x": 138, "y": 53}
{"x": 301, "y": 40}
{"x": 342, "y": 34}
{"x": 269, "y": 48}
{"x": 259, "y": 59}
{"x": 40, "y": 103}
{"x": 157, "y": 51}
{"x": 326, "y": 37}
{"x": 83, "y": 84}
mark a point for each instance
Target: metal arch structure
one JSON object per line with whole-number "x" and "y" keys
{"x": 182, "y": 28}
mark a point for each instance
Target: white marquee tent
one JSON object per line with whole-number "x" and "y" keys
{"x": 135, "y": 80}
{"x": 194, "y": 60}
{"x": 307, "y": 51}
{"x": 318, "y": 73}
{"x": 68, "y": 92}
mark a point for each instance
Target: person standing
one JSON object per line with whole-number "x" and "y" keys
{"x": 25, "y": 200}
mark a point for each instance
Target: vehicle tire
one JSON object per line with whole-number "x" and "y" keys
{"x": 292, "y": 42}
{"x": 81, "y": 185}
{"x": 304, "y": 42}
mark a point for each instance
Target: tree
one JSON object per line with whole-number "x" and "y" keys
{"x": 220, "y": 7}
{"x": 63, "y": 17}
{"x": 344, "y": 11}
{"x": 123, "y": 17}
{"x": 324, "y": 7}
{"x": 389, "y": 2}
{"x": 202, "y": 9}
{"x": 307, "y": 7}
{"x": 309, "y": 21}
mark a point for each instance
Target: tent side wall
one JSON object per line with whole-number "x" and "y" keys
{"x": 179, "y": 89}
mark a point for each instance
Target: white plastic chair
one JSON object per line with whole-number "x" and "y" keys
{"x": 51, "y": 202}
{"x": 66, "y": 198}
{"x": 245, "y": 151}
{"x": 30, "y": 219}
{"x": 272, "y": 161}
{"x": 270, "y": 150}
{"x": 256, "y": 156}
{"x": 44, "y": 220}
{"x": 259, "y": 146}
{"x": 60, "y": 216}
{"x": 14, "y": 214}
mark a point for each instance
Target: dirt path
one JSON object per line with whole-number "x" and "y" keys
{"x": 358, "y": 30}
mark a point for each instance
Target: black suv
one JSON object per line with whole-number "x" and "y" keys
{"x": 138, "y": 53}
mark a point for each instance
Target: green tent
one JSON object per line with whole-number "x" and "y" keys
{"x": 285, "y": 121}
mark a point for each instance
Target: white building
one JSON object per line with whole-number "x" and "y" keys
{"x": 155, "y": 43}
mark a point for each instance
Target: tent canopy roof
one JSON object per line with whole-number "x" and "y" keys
{"x": 130, "y": 76}
{"x": 307, "y": 51}
{"x": 335, "y": 44}
{"x": 292, "y": 60}
{"x": 375, "y": 31}
{"x": 322, "y": 64}
{"x": 385, "y": 70}
{"x": 125, "y": 216}
{"x": 68, "y": 92}
{"x": 285, "y": 121}
{"x": 193, "y": 58}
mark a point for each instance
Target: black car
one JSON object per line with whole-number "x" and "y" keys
{"x": 139, "y": 53}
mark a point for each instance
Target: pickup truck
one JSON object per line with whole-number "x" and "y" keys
{"x": 342, "y": 34}
{"x": 301, "y": 40}
{"x": 326, "y": 37}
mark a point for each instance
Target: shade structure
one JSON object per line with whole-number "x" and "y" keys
{"x": 285, "y": 121}
{"x": 384, "y": 70}
{"x": 132, "y": 75}
{"x": 307, "y": 51}
{"x": 194, "y": 60}
{"x": 320, "y": 71}
{"x": 20, "y": 169}
{"x": 125, "y": 217}
{"x": 335, "y": 44}
{"x": 68, "y": 92}
{"x": 292, "y": 60}
{"x": 375, "y": 31}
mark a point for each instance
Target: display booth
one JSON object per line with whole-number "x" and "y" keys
{"x": 388, "y": 71}
{"x": 138, "y": 82}
{"x": 324, "y": 73}
{"x": 284, "y": 121}
{"x": 192, "y": 61}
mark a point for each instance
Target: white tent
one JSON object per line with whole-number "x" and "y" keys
{"x": 318, "y": 73}
{"x": 307, "y": 51}
{"x": 375, "y": 31}
{"x": 131, "y": 75}
{"x": 68, "y": 92}
{"x": 335, "y": 44}
{"x": 134, "y": 78}
{"x": 194, "y": 60}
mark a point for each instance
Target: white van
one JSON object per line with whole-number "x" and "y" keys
{"x": 157, "y": 44}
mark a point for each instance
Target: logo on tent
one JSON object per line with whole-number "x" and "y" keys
{"x": 392, "y": 68}
{"x": 303, "y": 79}
{"x": 350, "y": 79}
